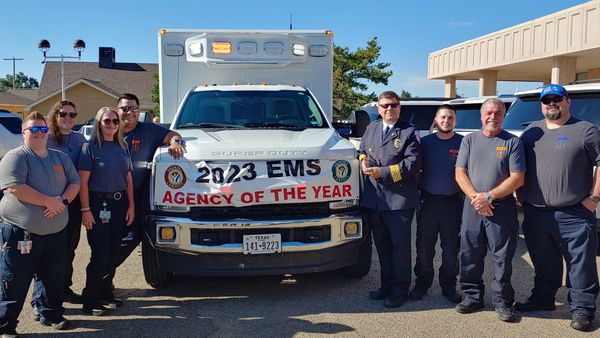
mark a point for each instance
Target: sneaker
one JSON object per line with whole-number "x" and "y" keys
{"x": 468, "y": 306}
{"x": 72, "y": 297}
{"x": 113, "y": 303}
{"x": 61, "y": 324}
{"x": 36, "y": 313}
{"x": 581, "y": 321}
{"x": 534, "y": 303}
{"x": 94, "y": 310}
{"x": 505, "y": 314}
{"x": 452, "y": 295}
{"x": 417, "y": 293}
{"x": 10, "y": 334}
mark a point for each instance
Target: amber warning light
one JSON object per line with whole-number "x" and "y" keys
{"x": 221, "y": 47}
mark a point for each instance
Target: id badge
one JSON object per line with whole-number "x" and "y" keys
{"x": 104, "y": 214}
{"x": 24, "y": 247}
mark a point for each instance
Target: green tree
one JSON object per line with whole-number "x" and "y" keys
{"x": 350, "y": 69}
{"x": 155, "y": 97}
{"x": 404, "y": 95}
{"x": 21, "y": 81}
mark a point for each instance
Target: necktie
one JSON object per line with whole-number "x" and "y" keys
{"x": 385, "y": 132}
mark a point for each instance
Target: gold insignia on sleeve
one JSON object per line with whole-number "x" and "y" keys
{"x": 362, "y": 157}
{"x": 395, "y": 172}
{"x": 397, "y": 143}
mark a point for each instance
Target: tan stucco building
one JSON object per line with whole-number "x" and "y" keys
{"x": 558, "y": 48}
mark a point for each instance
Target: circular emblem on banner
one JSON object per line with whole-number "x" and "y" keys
{"x": 341, "y": 170}
{"x": 175, "y": 177}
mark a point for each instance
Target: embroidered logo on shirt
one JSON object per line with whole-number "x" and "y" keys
{"x": 59, "y": 171}
{"x": 397, "y": 143}
{"x": 453, "y": 154}
{"x": 175, "y": 177}
{"x": 135, "y": 144}
{"x": 561, "y": 142}
{"x": 501, "y": 152}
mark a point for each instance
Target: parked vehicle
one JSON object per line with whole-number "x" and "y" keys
{"x": 267, "y": 186}
{"x": 468, "y": 111}
{"x": 10, "y": 131}
{"x": 417, "y": 111}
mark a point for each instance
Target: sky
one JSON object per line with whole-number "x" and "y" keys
{"x": 407, "y": 31}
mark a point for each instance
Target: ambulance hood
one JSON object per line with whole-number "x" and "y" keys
{"x": 262, "y": 144}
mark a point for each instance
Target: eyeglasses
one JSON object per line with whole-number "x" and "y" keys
{"x": 109, "y": 121}
{"x": 555, "y": 99}
{"x": 64, "y": 113}
{"x": 389, "y": 105}
{"x": 35, "y": 130}
{"x": 127, "y": 109}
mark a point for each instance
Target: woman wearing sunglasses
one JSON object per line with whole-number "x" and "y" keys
{"x": 38, "y": 184}
{"x": 106, "y": 205}
{"x": 60, "y": 121}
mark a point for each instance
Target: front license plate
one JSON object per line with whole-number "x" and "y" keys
{"x": 262, "y": 244}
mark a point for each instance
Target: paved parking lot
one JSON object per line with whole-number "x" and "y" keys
{"x": 316, "y": 304}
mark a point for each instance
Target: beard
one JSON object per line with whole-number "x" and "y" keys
{"x": 553, "y": 114}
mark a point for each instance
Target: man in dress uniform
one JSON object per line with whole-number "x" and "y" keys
{"x": 390, "y": 157}
{"x": 559, "y": 198}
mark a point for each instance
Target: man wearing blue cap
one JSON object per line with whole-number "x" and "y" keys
{"x": 559, "y": 199}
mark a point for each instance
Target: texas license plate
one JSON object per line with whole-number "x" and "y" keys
{"x": 262, "y": 244}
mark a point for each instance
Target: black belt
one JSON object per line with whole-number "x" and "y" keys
{"x": 111, "y": 195}
{"x": 428, "y": 194}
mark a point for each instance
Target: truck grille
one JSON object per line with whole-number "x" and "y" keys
{"x": 214, "y": 237}
{"x": 262, "y": 212}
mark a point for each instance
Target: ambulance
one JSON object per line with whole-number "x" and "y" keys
{"x": 267, "y": 186}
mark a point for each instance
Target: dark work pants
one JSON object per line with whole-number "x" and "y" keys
{"x": 105, "y": 241}
{"x": 133, "y": 233}
{"x": 73, "y": 235}
{"x": 391, "y": 234}
{"x": 438, "y": 215}
{"x": 569, "y": 232}
{"x": 46, "y": 259}
{"x": 498, "y": 234}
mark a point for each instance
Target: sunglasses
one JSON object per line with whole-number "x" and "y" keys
{"x": 127, "y": 109}
{"x": 109, "y": 121}
{"x": 35, "y": 130}
{"x": 554, "y": 99}
{"x": 388, "y": 105}
{"x": 64, "y": 113}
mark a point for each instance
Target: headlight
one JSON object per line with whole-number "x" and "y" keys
{"x": 352, "y": 229}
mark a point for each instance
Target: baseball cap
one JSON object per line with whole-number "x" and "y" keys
{"x": 553, "y": 89}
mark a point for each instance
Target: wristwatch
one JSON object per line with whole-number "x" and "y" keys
{"x": 65, "y": 201}
{"x": 595, "y": 199}
{"x": 488, "y": 197}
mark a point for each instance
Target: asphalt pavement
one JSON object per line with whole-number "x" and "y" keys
{"x": 301, "y": 306}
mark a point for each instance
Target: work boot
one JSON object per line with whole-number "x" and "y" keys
{"x": 378, "y": 294}
{"x": 505, "y": 314}
{"x": 468, "y": 306}
{"x": 417, "y": 293}
{"x": 60, "y": 324}
{"x": 72, "y": 297}
{"x": 534, "y": 303}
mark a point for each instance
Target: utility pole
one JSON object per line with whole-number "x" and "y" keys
{"x": 14, "y": 60}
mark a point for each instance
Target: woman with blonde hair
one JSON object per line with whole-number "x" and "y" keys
{"x": 107, "y": 205}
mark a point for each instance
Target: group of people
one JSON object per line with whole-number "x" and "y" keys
{"x": 466, "y": 190}
{"x": 55, "y": 183}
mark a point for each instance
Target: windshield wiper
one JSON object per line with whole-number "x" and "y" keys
{"x": 210, "y": 125}
{"x": 272, "y": 125}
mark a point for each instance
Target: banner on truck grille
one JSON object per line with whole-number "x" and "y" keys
{"x": 245, "y": 183}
